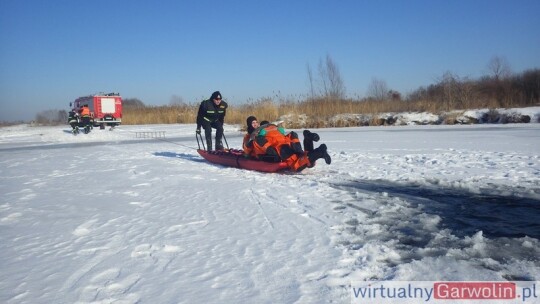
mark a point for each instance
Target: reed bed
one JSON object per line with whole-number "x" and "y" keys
{"x": 316, "y": 112}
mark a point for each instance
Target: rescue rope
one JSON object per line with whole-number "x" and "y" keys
{"x": 175, "y": 143}
{"x": 160, "y": 139}
{"x": 255, "y": 198}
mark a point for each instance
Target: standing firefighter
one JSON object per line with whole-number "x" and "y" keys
{"x": 85, "y": 117}
{"x": 212, "y": 115}
{"x": 73, "y": 121}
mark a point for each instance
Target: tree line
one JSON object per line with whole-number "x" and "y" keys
{"x": 327, "y": 94}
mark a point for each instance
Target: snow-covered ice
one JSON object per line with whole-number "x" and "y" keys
{"x": 109, "y": 217}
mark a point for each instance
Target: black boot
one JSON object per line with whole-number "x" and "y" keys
{"x": 219, "y": 146}
{"x": 327, "y": 158}
{"x": 208, "y": 145}
{"x": 313, "y": 136}
{"x": 320, "y": 152}
{"x": 309, "y": 138}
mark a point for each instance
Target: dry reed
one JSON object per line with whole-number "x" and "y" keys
{"x": 317, "y": 112}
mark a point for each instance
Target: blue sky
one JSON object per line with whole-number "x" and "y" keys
{"x": 55, "y": 51}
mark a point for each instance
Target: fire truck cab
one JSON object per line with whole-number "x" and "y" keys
{"x": 105, "y": 109}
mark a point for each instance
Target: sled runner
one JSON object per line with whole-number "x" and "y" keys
{"x": 235, "y": 158}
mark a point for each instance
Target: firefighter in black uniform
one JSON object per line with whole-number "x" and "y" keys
{"x": 73, "y": 120}
{"x": 212, "y": 115}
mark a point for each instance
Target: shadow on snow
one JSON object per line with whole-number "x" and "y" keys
{"x": 186, "y": 156}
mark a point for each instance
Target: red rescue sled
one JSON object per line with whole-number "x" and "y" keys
{"x": 235, "y": 158}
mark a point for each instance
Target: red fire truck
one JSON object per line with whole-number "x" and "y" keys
{"x": 105, "y": 109}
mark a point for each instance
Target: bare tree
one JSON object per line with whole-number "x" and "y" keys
{"x": 394, "y": 95}
{"x": 133, "y": 102}
{"x": 310, "y": 79}
{"x": 529, "y": 83}
{"x": 499, "y": 68}
{"x": 337, "y": 88}
{"x": 377, "y": 89}
{"x": 332, "y": 83}
{"x": 323, "y": 79}
{"x": 62, "y": 116}
{"x": 450, "y": 84}
{"x": 51, "y": 117}
{"x": 466, "y": 93}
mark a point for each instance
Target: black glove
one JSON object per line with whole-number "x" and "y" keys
{"x": 198, "y": 131}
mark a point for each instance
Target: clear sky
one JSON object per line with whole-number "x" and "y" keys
{"x": 57, "y": 50}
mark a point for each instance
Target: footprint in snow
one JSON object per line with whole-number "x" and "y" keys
{"x": 84, "y": 229}
{"x": 139, "y": 204}
{"x": 148, "y": 250}
{"x": 108, "y": 287}
{"x": 131, "y": 193}
{"x": 11, "y": 219}
{"x": 156, "y": 257}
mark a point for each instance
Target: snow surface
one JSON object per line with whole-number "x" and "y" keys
{"x": 110, "y": 217}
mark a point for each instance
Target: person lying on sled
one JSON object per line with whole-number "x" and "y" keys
{"x": 269, "y": 142}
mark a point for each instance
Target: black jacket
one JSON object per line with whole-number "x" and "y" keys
{"x": 208, "y": 111}
{"x": 72, "y": 117}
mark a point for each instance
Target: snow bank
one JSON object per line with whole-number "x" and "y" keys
{"x": 478, "y": 116}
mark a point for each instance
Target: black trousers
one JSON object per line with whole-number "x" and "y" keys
{"x": 207, "y": 126}
{"x": 86, "y": 121}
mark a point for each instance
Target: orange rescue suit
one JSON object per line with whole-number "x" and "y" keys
{"x": 85, "y": 111}
{"x": 270, "y": 140}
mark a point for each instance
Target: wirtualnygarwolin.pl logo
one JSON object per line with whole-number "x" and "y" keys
{"x": 448, "y": 292}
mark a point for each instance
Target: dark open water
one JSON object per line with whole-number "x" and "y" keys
{"x": 466, "y": 213}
